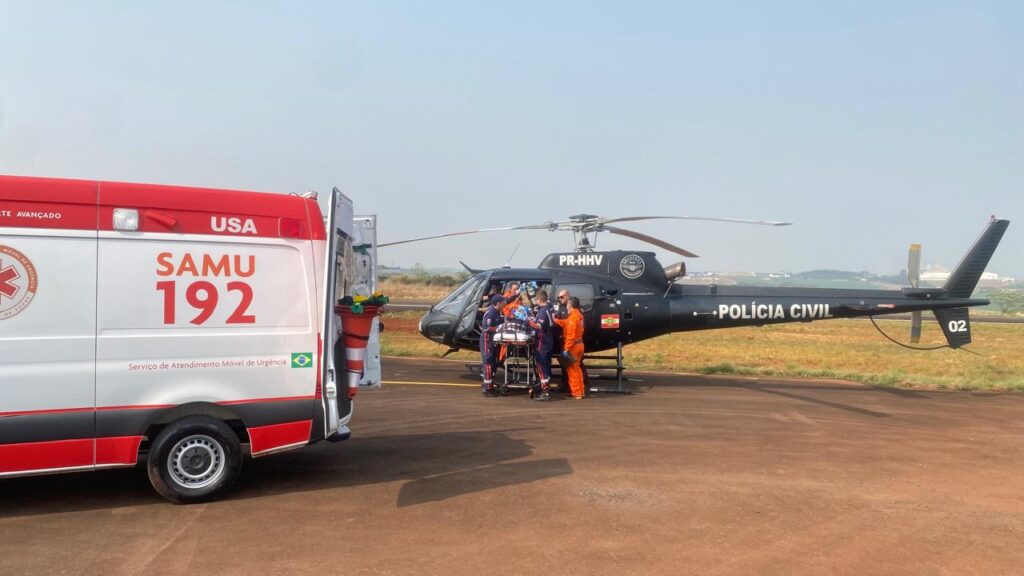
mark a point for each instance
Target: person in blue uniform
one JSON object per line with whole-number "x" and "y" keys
{"x": 488, "y": 349}
{"x": 544, "y": 344}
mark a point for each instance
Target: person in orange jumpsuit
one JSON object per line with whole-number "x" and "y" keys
{"x": 511, "y": 297}
{"x": 572, "y": 346}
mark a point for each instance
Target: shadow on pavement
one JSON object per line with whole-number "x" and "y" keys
{"x": 438, "y": 465}
{"x": 436, "y": 488}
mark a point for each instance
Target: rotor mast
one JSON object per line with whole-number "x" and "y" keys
{"x": 584, "y": 231}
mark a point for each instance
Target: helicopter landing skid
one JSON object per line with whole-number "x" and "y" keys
{"x": 619, "y": 368}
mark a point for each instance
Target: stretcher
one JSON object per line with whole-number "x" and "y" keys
{"x": 517, "y": 340}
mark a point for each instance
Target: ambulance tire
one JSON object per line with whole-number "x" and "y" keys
{"x": 214, "y": 460}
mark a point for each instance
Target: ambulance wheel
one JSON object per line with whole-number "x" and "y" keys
{"x": 195, "y": 459}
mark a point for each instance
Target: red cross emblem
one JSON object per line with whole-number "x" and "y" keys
{"x": 8, "y": 274}
{"x": 18, "y": 282}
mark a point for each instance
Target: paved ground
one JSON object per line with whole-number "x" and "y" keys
{"x": 693, "y": 475}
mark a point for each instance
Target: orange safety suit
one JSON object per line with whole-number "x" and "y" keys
{"x": 572, "y": 330}
{"x": 511, "y": 302}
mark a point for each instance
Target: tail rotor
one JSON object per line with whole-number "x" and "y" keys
{"x": 914, "y": 277}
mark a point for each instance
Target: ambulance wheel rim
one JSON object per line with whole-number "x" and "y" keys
{"x": 196, "y": 462}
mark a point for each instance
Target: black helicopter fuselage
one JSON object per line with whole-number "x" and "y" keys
{"x": 627, "y": 296}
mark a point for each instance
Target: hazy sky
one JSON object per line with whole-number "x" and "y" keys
{"x": 869, "y": 125}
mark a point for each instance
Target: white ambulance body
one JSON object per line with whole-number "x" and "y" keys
{"x": 182, "y": 323}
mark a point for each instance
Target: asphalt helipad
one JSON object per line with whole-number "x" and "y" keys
{"x": 691, "y": 475}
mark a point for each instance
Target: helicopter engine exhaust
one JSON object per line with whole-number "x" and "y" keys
{"x": 675, "y": 271}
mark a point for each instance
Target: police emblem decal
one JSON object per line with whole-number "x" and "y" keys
{"x": 18, "y": 282}
{"x": 632, "y": 266}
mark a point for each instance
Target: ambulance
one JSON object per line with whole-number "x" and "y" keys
{"x": 183, "y": 327}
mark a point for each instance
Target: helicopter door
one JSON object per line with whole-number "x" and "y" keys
{"x": 468, "y": 326}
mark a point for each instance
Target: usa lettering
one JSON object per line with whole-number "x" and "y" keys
{"x": 755, "y": 311}
{"x": 233, "y": 225}
{"x": 580, "y": 259}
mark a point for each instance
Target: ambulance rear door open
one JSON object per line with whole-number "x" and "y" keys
{"x": 364, "y": 283}
{"x": 339, "y": 236}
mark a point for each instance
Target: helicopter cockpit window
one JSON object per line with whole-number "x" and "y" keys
{"x": 456, "y": 301}
{"x": 585, "y": 292}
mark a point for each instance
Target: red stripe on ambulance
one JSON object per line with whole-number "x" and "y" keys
{"x": 264, "y": 438}
{"x": 46, "y": 455}
{"x": 117, "y": 451}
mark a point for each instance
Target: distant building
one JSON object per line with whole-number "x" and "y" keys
{"x": 938, "y": 275}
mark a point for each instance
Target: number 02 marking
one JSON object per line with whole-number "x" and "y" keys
{"x": 957, "y": 325}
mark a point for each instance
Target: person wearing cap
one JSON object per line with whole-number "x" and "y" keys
{"x": 488, "y": 349}
{"x": 572, "y": 347}
{"x": 544, "y": 323}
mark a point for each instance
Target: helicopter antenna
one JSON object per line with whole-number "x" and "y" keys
{"x": 508, "y": 263}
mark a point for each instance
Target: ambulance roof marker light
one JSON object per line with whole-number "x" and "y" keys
{"x": 289, "y": 228}
{"x": 126, "y": 219}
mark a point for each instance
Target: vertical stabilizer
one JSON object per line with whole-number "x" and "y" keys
{"x": 965, "y": 277}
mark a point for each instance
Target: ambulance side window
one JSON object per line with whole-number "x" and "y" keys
{"x": 585, "y": 292}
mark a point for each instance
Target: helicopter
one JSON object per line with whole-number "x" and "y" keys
{"x": 627, "y": 296}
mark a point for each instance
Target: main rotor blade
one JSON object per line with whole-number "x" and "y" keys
{"x": 707, "y": 218}
{"x": 650, "y": 240}
{"x": 464, "y": 232}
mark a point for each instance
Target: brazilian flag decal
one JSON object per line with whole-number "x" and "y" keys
{"x": 302, "y": 360}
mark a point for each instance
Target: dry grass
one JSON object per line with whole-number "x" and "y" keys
{"x": 844, "y": 349}
{"x": 410, "y": 291}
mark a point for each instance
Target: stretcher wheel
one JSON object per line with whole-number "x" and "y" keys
{"x": 195, "y": 459}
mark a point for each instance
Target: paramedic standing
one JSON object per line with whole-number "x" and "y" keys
{"x": 572, "y": 347}
{"x": 561, "y": 310}
{"x": 543, "y": 323}
{"x": 488, "y": 349}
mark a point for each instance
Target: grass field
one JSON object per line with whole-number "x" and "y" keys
{"x": 397, "y": 290}
{"x": 835, "y": 349}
